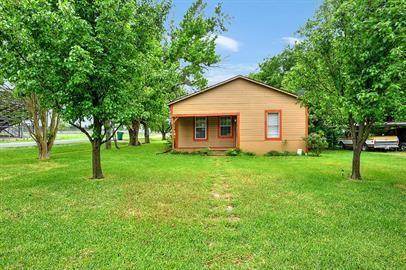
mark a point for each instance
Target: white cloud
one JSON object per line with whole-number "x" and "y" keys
{"x": 227, "y": 71}
{"x": 292, "y": 41}
{"x": 227, "y": 43}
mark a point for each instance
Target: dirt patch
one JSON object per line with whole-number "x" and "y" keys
{"x": 136, "y": 213}
{"x": 400, "y": 186}
{"x": 224, "y": 258}
{"x": 243, "y": 259}
{"x": 86, "y": 252}
{"x": 228, "y": 196}
{"x": 233, "y": 218}
{"x": 5, "y": 178}
{"x": 44, "y": 166}
{"x": 164, "y": 210}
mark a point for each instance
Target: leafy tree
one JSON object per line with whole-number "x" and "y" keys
{"x": 273, "y": 70}
{"x": 162, "y": 124}
{"x": 102, "y": 68}
{"x": 190, "y": 46}
{"x": 42, "y": 124}
{"x": 351, "y": 66}
{"x": 32, "y": 58}
{"x": 176, "y": 58}
{"x": 80, "y": 57}
{"x": 151, "y": 23}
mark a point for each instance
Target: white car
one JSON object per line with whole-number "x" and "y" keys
{"x": 374, "y": 142}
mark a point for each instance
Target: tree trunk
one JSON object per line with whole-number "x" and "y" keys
{"x": 164, "y": 129}
{"x": 108, "y": 143}
{"x": 43, "y": 132}
{"x": 356, "y": 162}
{"x": 133, "y": 132}
{"x": 43, "y": 153}
{"x": 107, "y": 126}
{"x": 115, "y": 141}
{"x": 96, "y": 160}
{"x": 53, "y": 129}
{"x": 96, "y": 143}
{"x": 359, "y": 133}
{"x": 146, "y": 132}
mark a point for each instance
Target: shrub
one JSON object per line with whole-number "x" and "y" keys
{"x": 203, "y": 152}
{"x": 251, "y": 154}
{"x": 233, "y": 152}
{"x": 287, "y": 153}
{"x": 274, "y": 153}
{"x": 316, "y": 142}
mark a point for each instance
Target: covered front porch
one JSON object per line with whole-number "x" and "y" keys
{"x": 214, "y": 131}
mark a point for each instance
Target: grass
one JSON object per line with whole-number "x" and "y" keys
{"x": 191, "y": 212}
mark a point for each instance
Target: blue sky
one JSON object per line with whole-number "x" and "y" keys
{"x": 257, "y": 29}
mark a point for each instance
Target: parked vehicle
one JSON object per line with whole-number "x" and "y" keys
{"x": 374, "y": 142}
{"x": 397, "y": 129}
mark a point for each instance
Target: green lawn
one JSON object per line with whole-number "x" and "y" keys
{"x": 192, "y": 212}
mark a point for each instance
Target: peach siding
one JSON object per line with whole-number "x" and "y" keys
{"x": 251, "y": 101}
{"x": 185, "y": 133}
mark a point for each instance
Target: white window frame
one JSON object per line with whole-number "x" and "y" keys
{"x": 205, "y": 129}
{"x": 230, "y": 126}
{"x": 278, "y": 125}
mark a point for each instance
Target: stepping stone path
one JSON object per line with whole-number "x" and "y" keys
{"x": 221, "y": 193}
{"x": 222, "y": 220}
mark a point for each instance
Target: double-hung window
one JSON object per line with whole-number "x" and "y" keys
{"x": 273, "y": 125}
{"x": 225, "y": 126}
{"x": 200, "y": 128}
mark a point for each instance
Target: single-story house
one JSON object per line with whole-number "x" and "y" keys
{"x": 239, "y": 113}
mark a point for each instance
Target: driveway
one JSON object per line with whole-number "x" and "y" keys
{"x": 30, "y": 144}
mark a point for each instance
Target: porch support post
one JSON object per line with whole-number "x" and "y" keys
{"x": 173, "y": 124}
{"x": 173, "y": 133}
{"x": 237, "y": 135}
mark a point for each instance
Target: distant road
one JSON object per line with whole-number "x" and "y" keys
{"x": 30, "y": 144}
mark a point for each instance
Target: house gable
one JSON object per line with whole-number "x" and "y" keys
{"x": 221, "y": 84}
{"x": 237, "y": 95}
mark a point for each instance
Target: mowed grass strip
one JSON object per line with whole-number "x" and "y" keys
{"x": 155, "y": 211}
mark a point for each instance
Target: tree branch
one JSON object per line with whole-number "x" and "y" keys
{"x": 112, "y": 134}
{"x": 82, "y": 129}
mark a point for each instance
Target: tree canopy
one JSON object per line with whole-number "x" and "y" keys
{"x": 176, "y": 57}
{"x": 351, "y": 65}
{"x": 273, "y": 70}
{"x": 36, "y": 39}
